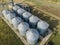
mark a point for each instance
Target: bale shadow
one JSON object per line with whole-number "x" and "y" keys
{"x": 25, "y": 7}
{"x": 50, "y": 43}
{"x": 53, "y": 24}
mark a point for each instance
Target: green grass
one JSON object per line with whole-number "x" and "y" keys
{"x": 7, "y": 36}
{"x": 56, "y": 39}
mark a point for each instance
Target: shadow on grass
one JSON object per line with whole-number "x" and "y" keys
{"x": 50, "y": 43}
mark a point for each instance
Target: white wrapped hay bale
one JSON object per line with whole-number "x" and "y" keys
{"x": 5, "y": 13}
{"x": 23, "y": 27}
{"x": 42, "y": 26}
{"x": 16, "y": 21}
{"x": 33, "y": 20}
{"x": 32, "y": 36}
{"x": 26, "y": 16}
{"x": 10, "y": 16}
{"x": 20, "y": 11}
{"x": 16, "y": 7}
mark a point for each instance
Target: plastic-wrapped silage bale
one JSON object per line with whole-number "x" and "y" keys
{"x": 5, "y": 12}
{"x": 42, "y": 26}
{"x": 26, "y": 16}
{"x": 16, "y": 21}
{"x": 16, "y": 7}
{"x": 20, "y": 11}
{"x": 32, "y": 36}
{"x": 23, "y": 27}
{"x": 10, "y": 16}
{"x": 33, "y": 20}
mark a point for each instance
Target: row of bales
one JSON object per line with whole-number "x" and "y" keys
{"x": 27, "y": 24}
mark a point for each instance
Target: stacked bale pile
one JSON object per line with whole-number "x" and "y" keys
{"x": 27, "y": 24}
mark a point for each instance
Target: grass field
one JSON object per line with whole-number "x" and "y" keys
{"x": 56, "y": 39}
{"x": 7, "y": 36}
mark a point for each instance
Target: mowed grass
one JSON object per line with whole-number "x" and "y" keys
{"x": 56, "y": 39}
{"x": 7, "y": 36}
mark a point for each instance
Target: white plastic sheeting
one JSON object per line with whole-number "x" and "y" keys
{"x": 20, "y": 11}
{"x": 42, "y": 26}
{"x": 10, "y": 16}
{"x": 33, "y": 20}
{"x": 23, "y": 27}
{"x": 32, "y": 36}
{"x": 26, "y": 16}
{"x": 16, "y": 21}
{"x": 16, "y": 7}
